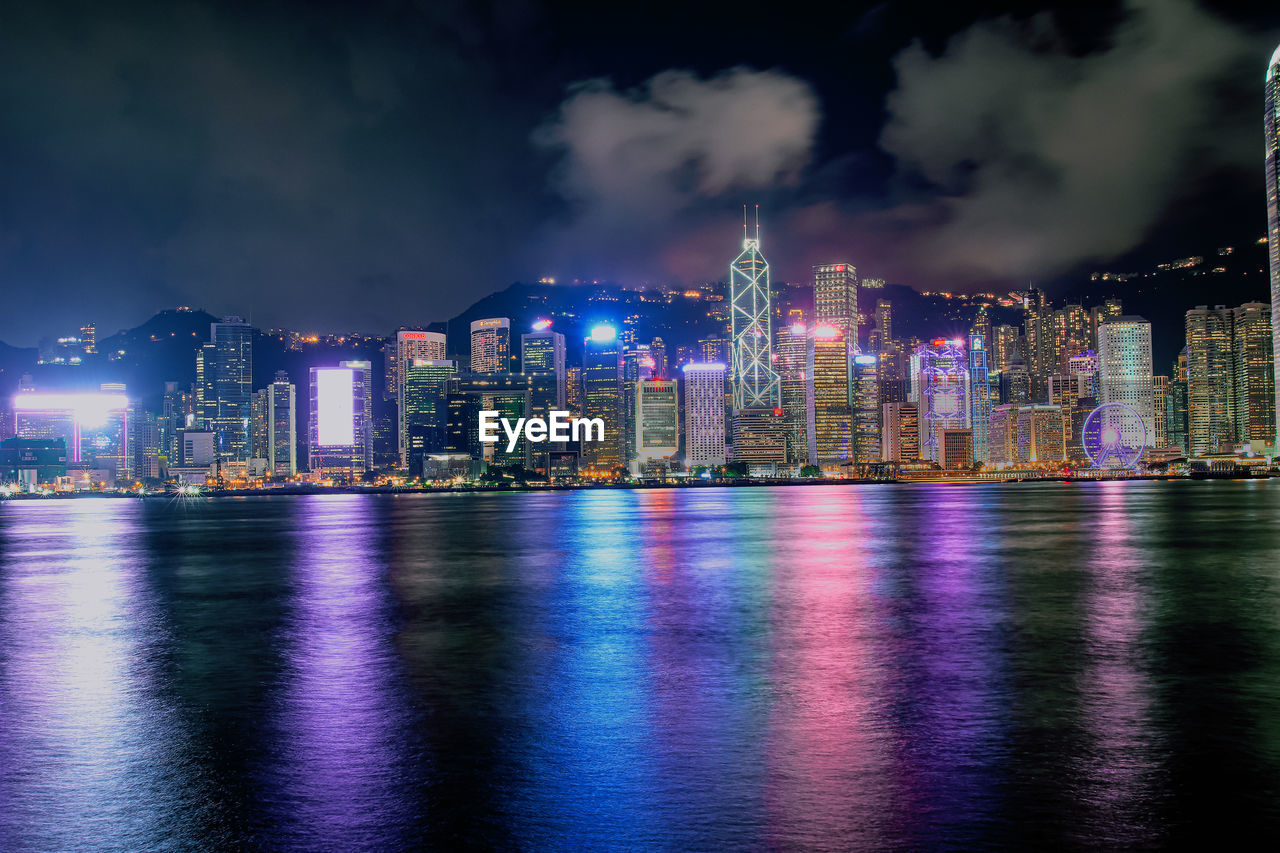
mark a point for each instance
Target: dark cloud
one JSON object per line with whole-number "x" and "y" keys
{"x": 1039, "y": 159}
{"x": 334, "y": 165}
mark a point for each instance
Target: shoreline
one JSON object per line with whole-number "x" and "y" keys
{"x": 814, "y": 482}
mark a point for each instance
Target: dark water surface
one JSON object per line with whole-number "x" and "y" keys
{"x": 1034, "y": 666}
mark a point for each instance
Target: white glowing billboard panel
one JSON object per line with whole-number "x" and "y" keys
{"x": 335, "y": 407}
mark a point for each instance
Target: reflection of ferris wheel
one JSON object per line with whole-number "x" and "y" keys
{"x": 1114, "y": 436}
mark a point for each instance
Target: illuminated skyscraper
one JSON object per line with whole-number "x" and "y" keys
{"x": 657, "y": 422}
{"x": 1254, "y": 374}
{"x": 226, "y": 363}
{"x": 491, "y": 345}
{"x": 1004, "y": 348}
{"x": 94, "y": 425}
{"x": 943, "y": 381}
{"x": 835, "y": 299}
{"x": 1210, "y": 397}
{"x": 1176, "y": 404}
{"x": 1271, "y": 124}
{"x": 1124, "y": 367}
{"x": 899, "y": 432}
{"x": 365, "y": 369}
{"x": 829, "y": 365}
{"x": 339, "y": 429}
{"x": 425, "y": 412}
{"x": 602, "y": 397}
{"x": 864, "y": 399}
{"x": 704, "y": 438}
{"x": 755, "y": 385}
{"x": 275, "y": 426}
{"x": 1002, "y": 435}
{"x": 797, "y": 406}
{"x": 1160, "y": 404}
{"x": 979, "y": 386}
{"x": 1069, "y": 336}
{"x": 1041, "y": 435}
{"x": 412, "y": 344}
{"x": 543, "y": 351}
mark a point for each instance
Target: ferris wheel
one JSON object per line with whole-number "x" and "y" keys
{"x": 1114, "y": 436}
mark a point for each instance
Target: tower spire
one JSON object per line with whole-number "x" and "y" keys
{"x": 757, "y": 225}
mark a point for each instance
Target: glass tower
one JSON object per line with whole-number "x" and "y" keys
{"x": 1272, "y": 124}
{"x": 755, "y": 385}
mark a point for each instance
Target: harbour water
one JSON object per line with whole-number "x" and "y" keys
{"x": 1058, "y": 665}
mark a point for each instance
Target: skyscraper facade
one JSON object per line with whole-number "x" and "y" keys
{"x": 793, "y": 371}
{"x": 1271, "y": 124}
{"x": 1253, "y": 372}
{"x": 1210, "y": 398}
{"x": 979, "y": 388}
{"x": 543, "y": 351}
{"x": 411, "y": 344}
{"x": 943, "y": 382}
{"x": 226, "y": 363}
{"x": 835, "y": 299}
{"x": 275, "y": 426}
{"x": 425, "y": 411}
{"x": 864, "y": 401}
{"x": 339, "y": 430}
{"x": 755, "y": 385}
{"x": 602, "y": 397}
{"x": 1125, "y": 374}
{"x": 704, "y": 435}
{"x": 491, "y": 345}
{"x": 657, "y": 422}
{"x": 829, "y": 365}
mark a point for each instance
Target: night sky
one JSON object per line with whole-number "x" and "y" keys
{"x": 337, "y": 167}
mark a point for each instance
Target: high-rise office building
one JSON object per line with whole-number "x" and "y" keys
{"x": 864, "y": 400}
{"x": 1271, "y": 125}
{"x": 366, "y": 418}
{"x": 410, "y": 345}
{"x": 1176, "y": 404}
{"x": 1040, "y": 435}
{"x": 602, "y": 397}
{"x": 714, "y": 350}
{"x": 755, "y": 384}
{"x": 661, "y": 367}
{"x": 491, "y": 345}
{"x": 829, "y": 367}
{"x": 425, "y": 412}
{"x": 543, "y": 351}
{"x": 1002, "y": 435}
{"x": 1003, "y": 346}
{"x": 225, "y": 366}
{"x": 511, "y": 396}
{"x": 1254, "y": 374}
{"x": 835, "y": 299}
{"x": 1069, "y": 335}
{"x": 759, "y": 437}
{"x": 955, "y": 449}
{"x": 797, "y": 406}
{"x": 339, "y": 429}
{"x": 1124, "y": 368}
{"x": 899, "y": 432}
{"x": 1160, "y": 404}
{"x": 657, "y": 422}
{"x": 1210, "y": 396}
{"x": 1038, "y": 340}
{"x": 979, "y": 386}
{"x": 943, "y": 383}
{"x": 274, "y": 426}
{"x": 704, "y": 434}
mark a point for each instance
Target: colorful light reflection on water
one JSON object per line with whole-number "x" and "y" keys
{"x": 820, "y": 668}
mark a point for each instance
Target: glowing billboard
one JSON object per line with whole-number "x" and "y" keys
{"x": 335, "y": 407}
